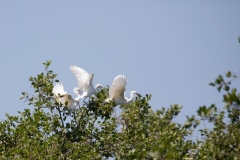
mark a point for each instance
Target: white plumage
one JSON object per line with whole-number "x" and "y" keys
{"x": 117, "y": 89}
{"x": 63, "y": 97}
{"x": 85, "y": 81}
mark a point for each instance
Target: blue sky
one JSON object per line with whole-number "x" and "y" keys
{"x": 170, "y": 49}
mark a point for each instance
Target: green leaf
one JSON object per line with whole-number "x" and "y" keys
{"x": 211, "y": 84}
{"x": 67, "y": 125}
{"x": 229, "y": 74}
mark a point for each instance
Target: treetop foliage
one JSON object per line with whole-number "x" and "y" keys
{"x": 93, "y": 131}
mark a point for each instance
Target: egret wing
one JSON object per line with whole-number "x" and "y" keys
{"x": 58, "y": 89}
{"x": 90, "y": 79}
{"x": 82, "y": 76}
{"x": 118, "y": 86}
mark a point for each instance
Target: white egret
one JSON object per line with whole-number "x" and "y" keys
{"x": 63, "y": 97}
{"x": 116, "y": 91}
{"x": 85, "y": 81}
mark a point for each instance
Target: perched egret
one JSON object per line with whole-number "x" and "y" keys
{"x": 63, "y": 97}
{"x": 116, "y": 91}
{"x": 85, "y": 81}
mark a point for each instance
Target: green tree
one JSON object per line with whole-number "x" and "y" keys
{"x": 223, "y": 140}
{"x": 91, "y": 132}
{"x": 48, "y": 131}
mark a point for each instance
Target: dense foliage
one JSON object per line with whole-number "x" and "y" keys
{"x": 137, "y": 132}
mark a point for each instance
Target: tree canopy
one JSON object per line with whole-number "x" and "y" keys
{"x": 49, "y": 131}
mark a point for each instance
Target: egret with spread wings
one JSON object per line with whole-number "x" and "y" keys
{"x": 85, "y": 81}
{"x": 117, "y": 89}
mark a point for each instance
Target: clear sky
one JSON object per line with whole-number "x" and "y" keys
{"x": 170, "y": 49}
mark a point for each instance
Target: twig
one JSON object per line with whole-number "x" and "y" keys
{"x": 60, "y": 116}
